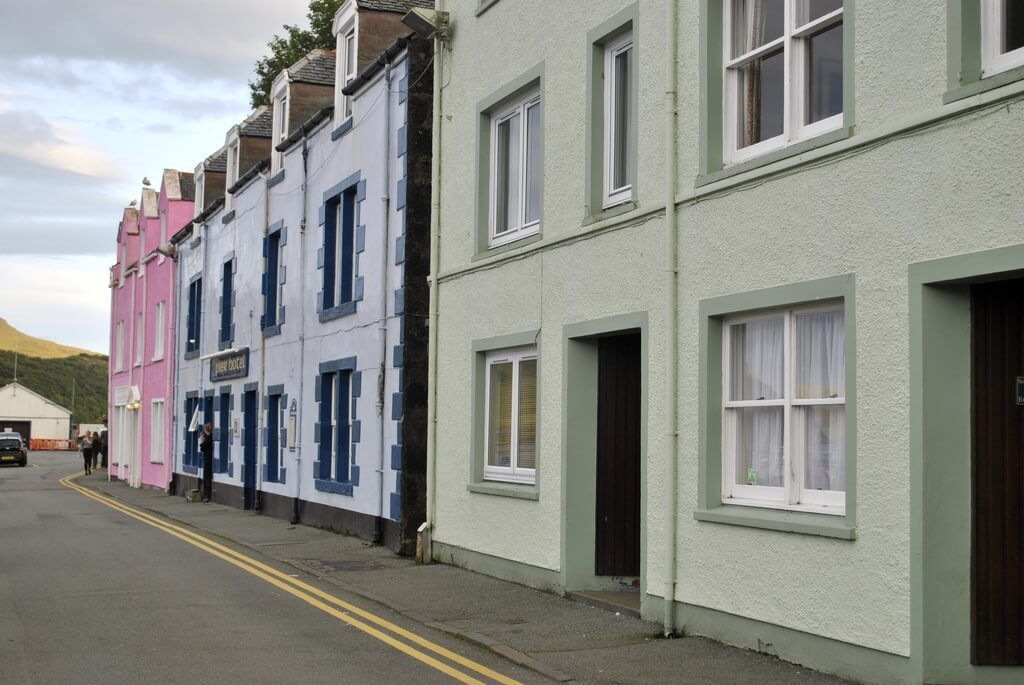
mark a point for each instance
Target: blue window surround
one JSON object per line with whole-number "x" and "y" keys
{"x": 189, "y": 457}
{"x": 348, "y": 195}
{"x": 193, "y": 328}
{"x": 226, "y": 303}
{"x": 275, "y": 436}
{"x": 223, "y": 403}
{"x": 273, "y": 276}
{"x": 343, "y": 371}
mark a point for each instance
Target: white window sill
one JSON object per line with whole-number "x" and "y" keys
{"x": 768, "y": 504}
{"x": 156, "y": 359}
{"x": 514, "y": 236}
{"x": 528, "y": 491}
{"x": 800, "y": 522}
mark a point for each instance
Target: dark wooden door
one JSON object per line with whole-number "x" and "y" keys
{"x": 249, "y": 408}
{"x": 617, "y": 547}
{"x": 997, "y": 465}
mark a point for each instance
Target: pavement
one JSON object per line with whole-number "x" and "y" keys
{"x": 538, "y": 635}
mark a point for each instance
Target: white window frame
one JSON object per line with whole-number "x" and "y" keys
{"x": 794, "y": 48}
{"x": 521, "y": 108}
{"x": 280, "y": 125}
{"x": 993, "y": 59}
{"x": 163, "y": 233}
{"x": 234, "y": 149}
{"x": 140, "y": 338}
{"x": 792, "y": 495}
{"x": 158, "y": 332}
{"x": 119, "y": 346}
{"x": 350, "y": 66}
{"x": 197, "y": 205}
{"x": 615, "y": 196}
{"x": 513, "y": 473}
{"x": 157, "y": 425}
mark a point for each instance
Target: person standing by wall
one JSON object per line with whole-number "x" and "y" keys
{"x": 86, "y": 447}
{"x": 97, "y": 447}
{"x": 103, "y": 446}
{"x": 206, "y": 445}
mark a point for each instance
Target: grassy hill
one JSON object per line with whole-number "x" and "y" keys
{"x": 52, "y": 378}
{"x": 13, "y": 339}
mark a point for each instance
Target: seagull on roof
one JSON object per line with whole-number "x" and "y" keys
{"x": 132, "y": 203}
{"x": 145, "y": 181}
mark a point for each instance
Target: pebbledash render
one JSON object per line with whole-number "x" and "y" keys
{"x": 302, "y": 291}
{"x": 141, "y": 335}
{"x": 716, "y": 347}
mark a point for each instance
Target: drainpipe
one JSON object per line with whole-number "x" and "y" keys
{"x": 378, "y": 531}
{"x": 302, "y": 330}
{"x": 136, "y": 473}
{"x": 207, "y": 282}
{"x": 257, "y": 504}
{"x": 426, "y": 552}
{"x": 170, "y": 349}
{"x": 671, "y": 316}
{"x": 177, "y": 328}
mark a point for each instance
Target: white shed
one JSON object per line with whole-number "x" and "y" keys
{"x": 32, "y": 415}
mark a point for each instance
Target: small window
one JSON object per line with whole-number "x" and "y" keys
{"x": 339, "y": 250}
{"x": 1002, "y": 35}
{"x": 618, "y": 121}
{"x": 511, "y": 416}
{"x": 784, "y": 410}
{"x": 158, "y": 332}
{"x": 163, "y": 231}
{"x": 515, "y": 171}
{"x": 156, "y": 431}
{"x": 227, "y": 289}
{"x": 195, "y": 311}
{"x": 783, "y": 73}
{"x": 335, "y": 425}
{"x": 280, "y": 126}
{"x": 119, "y": 346}
{"x": 233, "y": 171}
{"x": 198, "y": 205}
{"x": 350, "y": 61}
{"x": 272, "y": 280}
{"x": 140, "y": 339}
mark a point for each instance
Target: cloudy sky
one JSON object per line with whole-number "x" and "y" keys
{"x": 94, "y": 96}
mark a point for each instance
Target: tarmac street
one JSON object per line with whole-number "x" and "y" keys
{"x": 91, "y": 593}
{"x": 102, "y": 583}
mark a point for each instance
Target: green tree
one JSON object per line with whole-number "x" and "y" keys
{"x": 293, "y": 46}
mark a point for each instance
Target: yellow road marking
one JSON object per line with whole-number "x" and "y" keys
{"x": 303, "y": 590}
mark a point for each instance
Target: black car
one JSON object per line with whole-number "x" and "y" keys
{"x": 12, "y": 449}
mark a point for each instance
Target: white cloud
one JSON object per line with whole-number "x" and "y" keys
{"x": 60, "y": 298}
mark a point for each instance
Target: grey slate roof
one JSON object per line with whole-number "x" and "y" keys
{"x": 317, "y": 68}
{"x": 259, "y": 124}
{"x": 187, "y": 185}
{"x": 218, "y": 161}
{"x": 402, "y": 6}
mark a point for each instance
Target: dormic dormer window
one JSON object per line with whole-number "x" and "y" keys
{"x": 198, "y": 203}
{"x": 347, "y": 63}
{"x": 280, "y": 126}
{"x": 232, "y": 175}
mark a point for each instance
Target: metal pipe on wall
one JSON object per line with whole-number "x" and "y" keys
{"x": 378, "y": 532}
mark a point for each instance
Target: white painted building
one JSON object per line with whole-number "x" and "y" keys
{"x": 21, "y": 408}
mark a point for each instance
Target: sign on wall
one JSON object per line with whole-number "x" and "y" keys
{"x": 229, "y": 365}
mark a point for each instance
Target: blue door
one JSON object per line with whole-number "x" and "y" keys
{"x": 249, "y": 449}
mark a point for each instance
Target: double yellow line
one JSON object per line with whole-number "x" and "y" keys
{"x": 367, "y": 622}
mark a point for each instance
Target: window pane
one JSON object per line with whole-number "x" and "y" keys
{"x": 757, "y": 360}
{"x": 824, "y": 439}
{"x": 824, "y": 74}
{"x": 820, "y": 357}
{"x": 507, "y": 170}
{"x": 761, "y": 98}
{"x": 754, "y": 23}
{"x": 499, "y": 429}
{"x": 350, "y": 54}
{"x": 809, "y": 10}
{"x": 526, "y": 457}
{"x": 758, "y": 444}
{"x": 1013, "y": 25}
{"x": 620, "y": 170}
{"x": 534, "y": 173}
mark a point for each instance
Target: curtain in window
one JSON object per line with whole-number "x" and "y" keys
{"x": 499, "y": 434}
{"x": 821, "y": 373}
{"x": 757, "y": 352}
{"x": 527, "y": 454}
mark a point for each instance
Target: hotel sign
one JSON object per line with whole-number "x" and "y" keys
{"x": 229, "y": 365}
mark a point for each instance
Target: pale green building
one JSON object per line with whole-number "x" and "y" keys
{"x": 729, "y": 311}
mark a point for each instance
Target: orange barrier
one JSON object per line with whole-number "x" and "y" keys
{"x": 51, "y": 445}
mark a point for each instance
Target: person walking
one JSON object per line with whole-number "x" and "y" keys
{"x": 96, "y": 448}
{"x": 86, "y": 444}
{"x": 206, "y": 445}
{"x": 103, "y": 448}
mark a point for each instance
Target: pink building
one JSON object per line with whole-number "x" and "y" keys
{"x": 142, "y": 299}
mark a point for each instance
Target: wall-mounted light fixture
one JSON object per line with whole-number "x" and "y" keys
{"x": 428, "y": 23}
